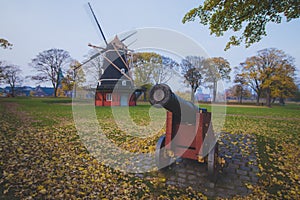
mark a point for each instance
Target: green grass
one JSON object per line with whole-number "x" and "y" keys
{"x": 49, "y": 111}
{"x": 48, "y": 123}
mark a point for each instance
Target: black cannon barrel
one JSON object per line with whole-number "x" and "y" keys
{"x": 162, "y": 95}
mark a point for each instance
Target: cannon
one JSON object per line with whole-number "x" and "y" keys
{"x": 189, "y": 132}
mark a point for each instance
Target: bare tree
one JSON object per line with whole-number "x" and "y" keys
{"x": 191, "y": 68}
{"x": 95, "y": 66}
{"x": 49, "y": 64}
{"x": 162, "y": 69}
{"x": 11, "y": 75}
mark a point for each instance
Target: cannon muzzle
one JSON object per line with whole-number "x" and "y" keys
{"x": 162, "y": 95}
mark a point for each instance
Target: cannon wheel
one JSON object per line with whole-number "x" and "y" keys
{"x": 212, "y": 160}
{"x": 161, "y": 159}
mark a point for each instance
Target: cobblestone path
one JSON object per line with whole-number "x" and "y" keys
{"x": 239, "y": 152}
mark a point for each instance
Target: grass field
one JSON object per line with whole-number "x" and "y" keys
{"x": 43, "y": 157}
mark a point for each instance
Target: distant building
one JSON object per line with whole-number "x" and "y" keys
{"x": 19, "y": 91}
{"x": 28, "y": 91}
{"x": 200, "y": 96}
{"x": 43, "y": 91}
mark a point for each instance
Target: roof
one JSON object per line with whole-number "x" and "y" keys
{"x": 117, "y": 43}
{"x": 46, "y": 91}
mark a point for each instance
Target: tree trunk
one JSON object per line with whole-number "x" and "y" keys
{"x": 55, "y": 89}
{"x": 281, "y": 101}
{"x": 55, "y": 92}
{"x": 257, "y": 96}
{"x": 268, "y": 97}
{"x": 241, "y": 99}
{"x": 12, "y": 86}
{"x": 74, "y": 91}
{"x": 241, "y": 96}
{"x": 214, "y": 91}
{"x": 56, "y": 84}
{"x": 257, "y": 99}
{"x": 13, "y": 91}
{"x": 193, "y": 94}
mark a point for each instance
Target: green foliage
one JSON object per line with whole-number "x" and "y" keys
{"x": 249, "y": 18}
{"x": 5, "y": 44}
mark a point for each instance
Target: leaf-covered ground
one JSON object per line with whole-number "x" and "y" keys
{"x": 42, "y": 156}
{"x": 277, "y": 131}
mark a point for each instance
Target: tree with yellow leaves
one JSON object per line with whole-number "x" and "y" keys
{"x": 271, "y": 73}
{"x": 75, "y": 76}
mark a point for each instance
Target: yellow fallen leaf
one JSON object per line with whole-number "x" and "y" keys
{"x": 40, "y": 187}
{"x": 43, "y": 191}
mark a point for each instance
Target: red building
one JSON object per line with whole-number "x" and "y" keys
{"x": 115, "y": 86}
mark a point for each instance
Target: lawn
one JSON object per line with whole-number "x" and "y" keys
{"x": 43, "y": 157}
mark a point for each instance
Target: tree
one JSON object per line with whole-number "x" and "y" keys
{"x": 143, "y": 64}
{"x": 95, "y": 65}
{"x": 297, "y": 94}
{"x": 216, "y": 69}
{"x": 11, "y": 76}
{"x": 240, "y": 89}
{"x": 75, "y": 76}
{"x": 5, "y": 44}
{"x": 283, "y": 88}
{"x": 271, "y": 72}
{"x": 283, "y": 83}
{"x": 162, "y": 69}
{"x": 251, "y": 75}
{"x": 239, "y": 92}
{"x": 49, "y": 63}
{"x": 1, "y": 70}
{"x": 278, "y": 73}
{"x": 152, "y": 68}
{"x": 192, "y": 71}
{"x": 248, "y": 17}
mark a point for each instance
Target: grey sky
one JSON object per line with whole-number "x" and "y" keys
{"x": 34, "y": 26}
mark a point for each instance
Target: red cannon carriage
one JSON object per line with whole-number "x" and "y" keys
{"x": 189, "y": 132}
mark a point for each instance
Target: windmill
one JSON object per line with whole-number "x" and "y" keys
{"x": 115, "y": 86}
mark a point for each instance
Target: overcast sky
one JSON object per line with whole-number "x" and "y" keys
{"x": 34, "y": 26}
